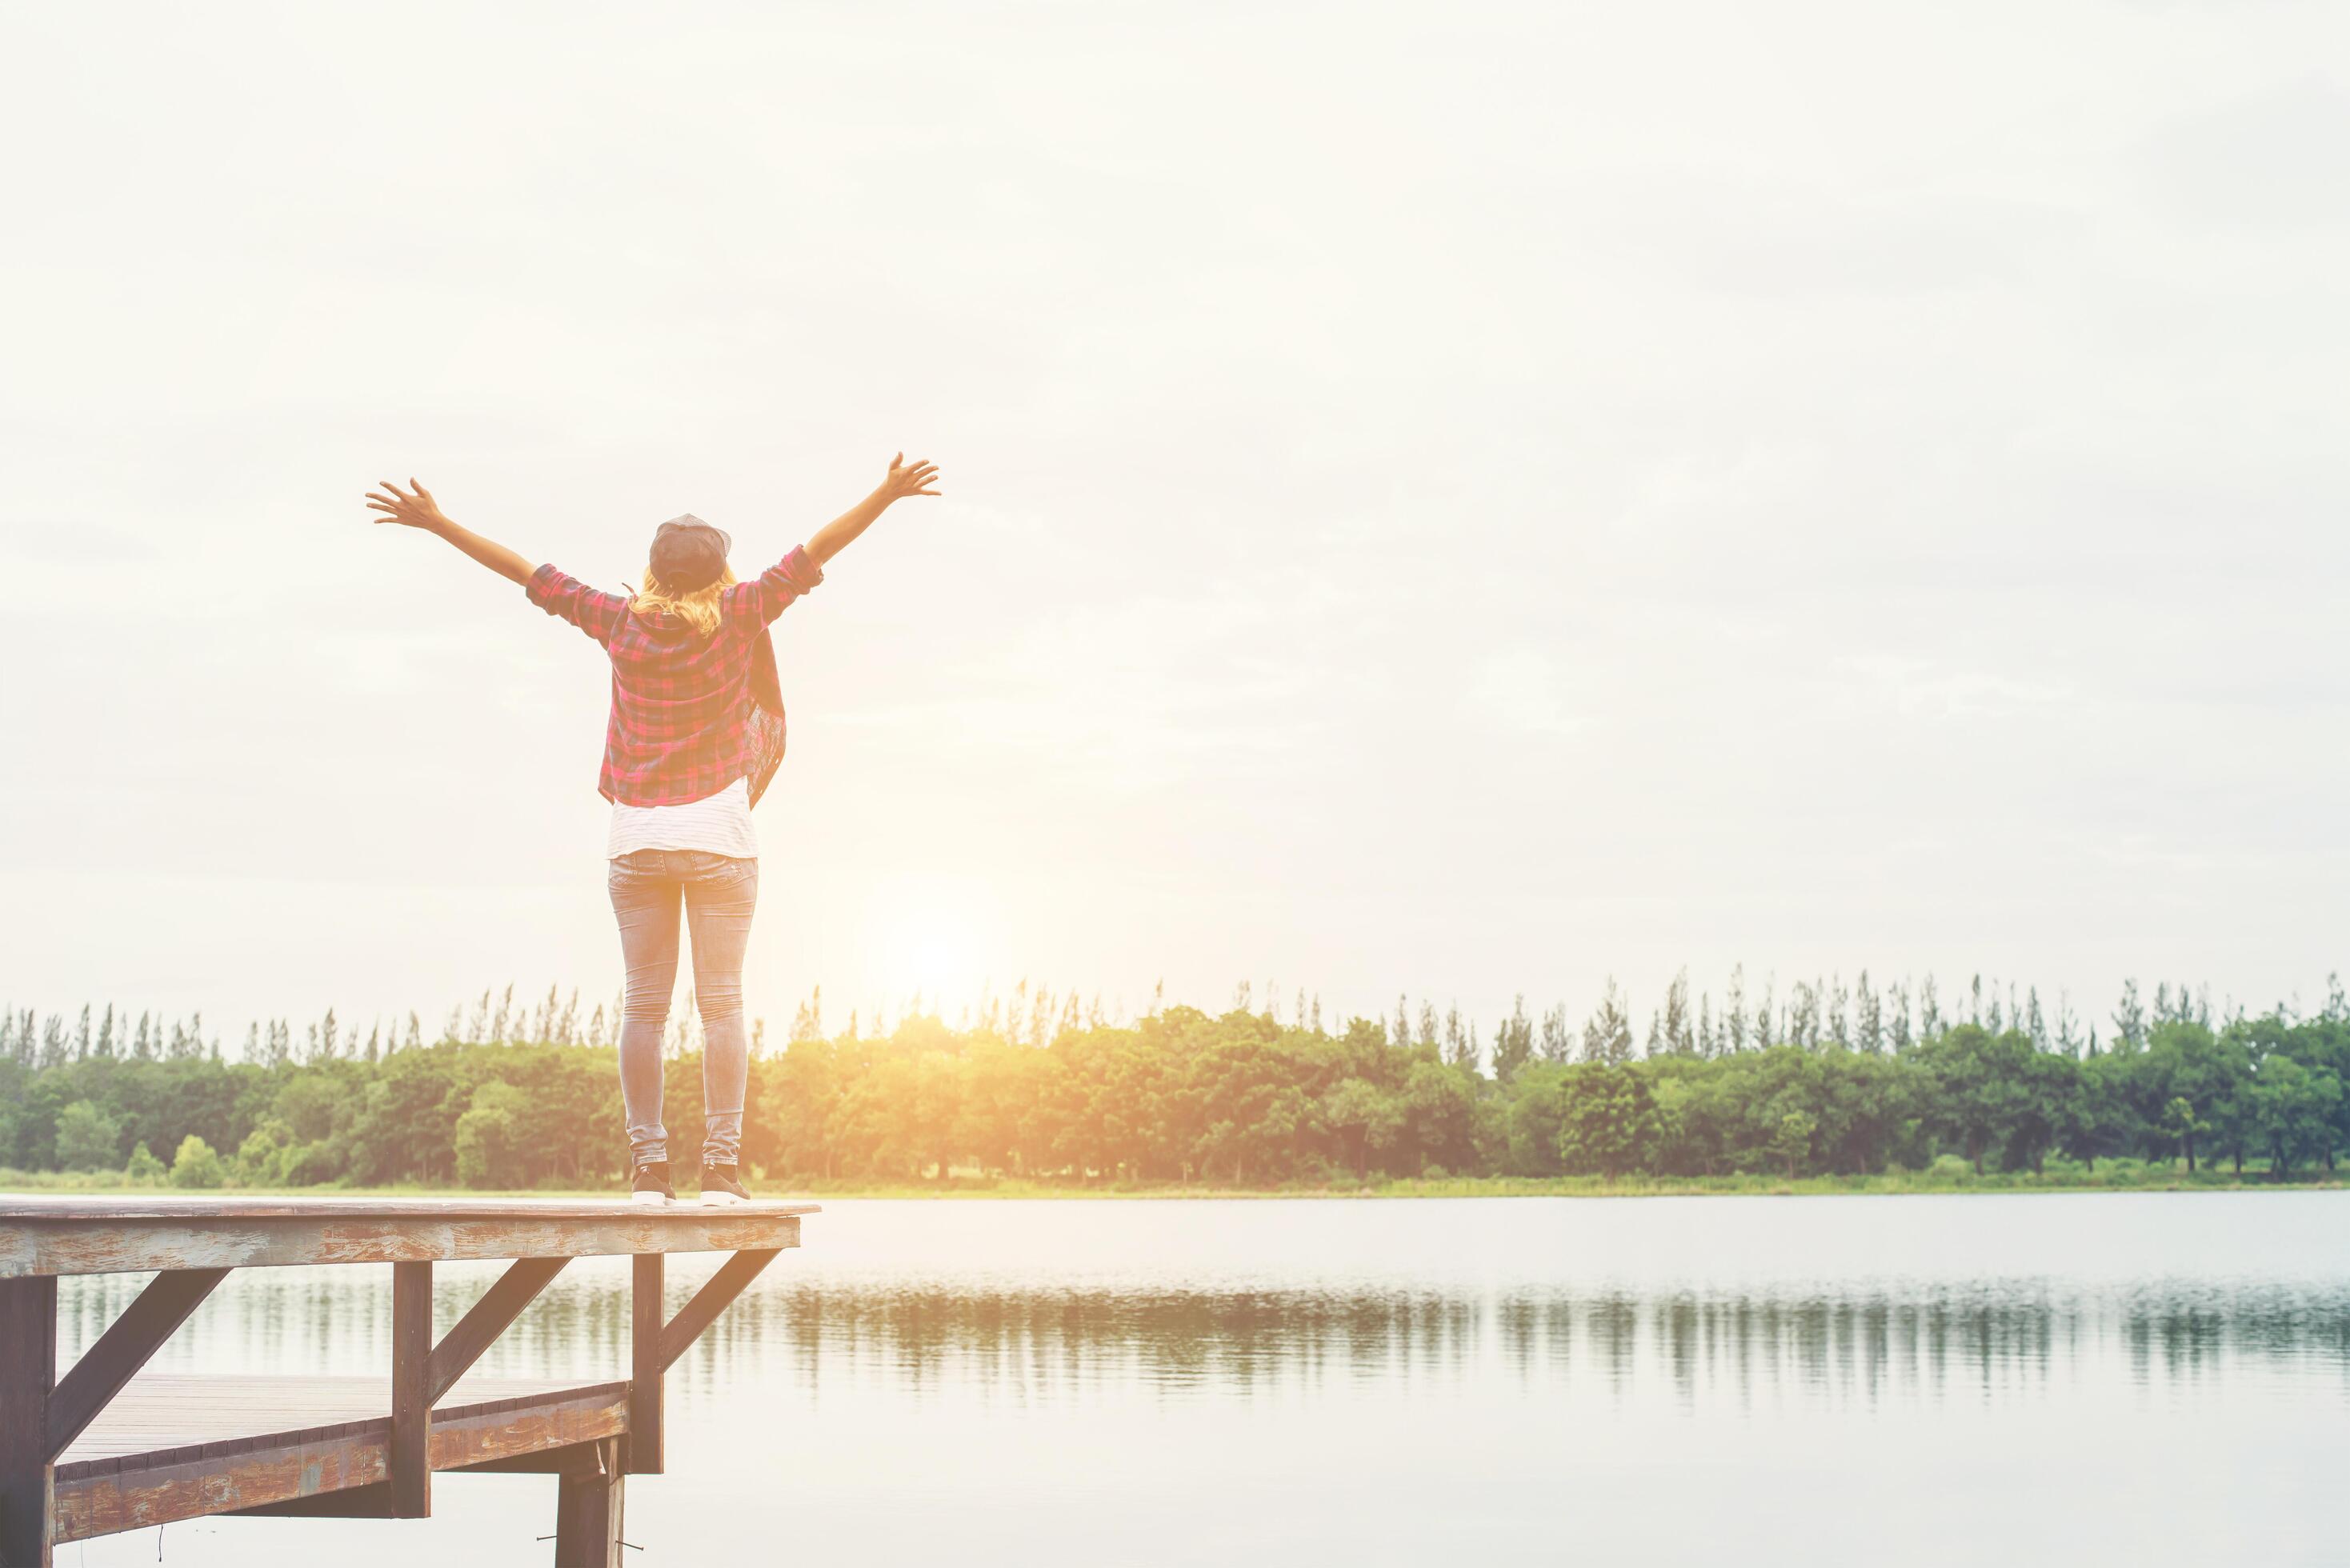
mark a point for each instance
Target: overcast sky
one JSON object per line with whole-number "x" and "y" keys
{"x": 1458, "y": 499}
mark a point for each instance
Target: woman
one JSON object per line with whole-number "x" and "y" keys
{"x": 695, "y": 733}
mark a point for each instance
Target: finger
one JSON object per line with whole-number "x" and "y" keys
{"x": 422, "y": 494}
{"x": 388, "y": 485}
{"x": 899, "y": 460}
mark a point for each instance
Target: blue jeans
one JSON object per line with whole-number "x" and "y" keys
{"x": 719, "y": 892}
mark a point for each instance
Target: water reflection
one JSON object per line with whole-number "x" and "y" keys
{"x": 1038, "y": 1343}
{"x": 2155, "y": 1380}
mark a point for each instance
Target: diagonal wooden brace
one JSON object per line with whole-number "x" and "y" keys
{"x": 490, "y": 1317}
{"x": 708, "y": 1301}
{"x": 123, "y": 1349}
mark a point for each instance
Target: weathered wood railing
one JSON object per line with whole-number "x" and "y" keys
{"x": 103, "y": 1448}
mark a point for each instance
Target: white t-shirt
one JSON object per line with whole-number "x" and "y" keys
{"x": 716, "y": 823}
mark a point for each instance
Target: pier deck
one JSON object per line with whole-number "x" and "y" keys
{"x": 108, "y": 1446}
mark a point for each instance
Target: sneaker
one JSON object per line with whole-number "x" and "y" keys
{"x": 650, "y": 1185}
{"x": 722, "y": 1186}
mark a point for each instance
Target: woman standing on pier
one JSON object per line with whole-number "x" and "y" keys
{"x": 695, "y": 733}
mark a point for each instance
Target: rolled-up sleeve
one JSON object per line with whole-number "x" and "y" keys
{"x": 594, "y": 612}
{"x": 772, "y": 592}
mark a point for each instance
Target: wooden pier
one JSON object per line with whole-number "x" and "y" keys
{"x": 105, "y": 1448}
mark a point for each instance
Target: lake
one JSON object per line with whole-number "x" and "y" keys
{"x": 2150, "y": 1378}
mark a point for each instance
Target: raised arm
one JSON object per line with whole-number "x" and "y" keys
{"x": 904, "y": 478}
{"x": 419, "y": 509}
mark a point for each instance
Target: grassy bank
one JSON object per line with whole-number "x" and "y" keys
{"x": 1945, "y": 1176}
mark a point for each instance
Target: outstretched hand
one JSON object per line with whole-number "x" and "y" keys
{"x": 904, "y": 478}
{"x": 908, "y": 478}
{"x": 417, "y": 510}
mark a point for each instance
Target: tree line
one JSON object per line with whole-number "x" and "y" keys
{"x": 1832, "y": 1079}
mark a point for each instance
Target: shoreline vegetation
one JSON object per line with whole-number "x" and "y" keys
{"x": 2133, "y": 1176}
{"x": 1836, "y": 1089}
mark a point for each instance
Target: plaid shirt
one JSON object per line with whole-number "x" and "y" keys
{"x": 682, "y": 713}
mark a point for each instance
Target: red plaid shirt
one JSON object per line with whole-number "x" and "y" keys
{"x": 681, "y": 724}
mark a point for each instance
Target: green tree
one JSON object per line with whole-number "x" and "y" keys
{"x": 2099, "y": 1121}
{"x": 1977, "y": 1086}
{"x": 2130, "y": 1020}
{"x": 1366, "y": 1120}
{"x": 1513, "y": 1043}
{"x": 1791, "y": 1141}
{"x": 2180, "y": 1058}
{"x": 88, "y": 1138}
{"x": 1440, "y": 1109}
{"x": 2044, "y": 1088}
{"x": 2290, "y": 1109}
{"x": 800, "y": 1101}
{"x": 2181, "y": 1122}
{"x": 1530, "y": 1124}
{"x": 196, "y": 1165}
{"x": 262, "y": 1159}
{"x": 1671, "y": 1032}
{"x": 144, "y": 1168}
{"x": 493, "y": 1135}
{"x": 1607, "y": 1121}
{"x": 1607, "y": 1034}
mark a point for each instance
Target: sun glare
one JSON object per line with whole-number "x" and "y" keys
{"x": 923, "y": 934}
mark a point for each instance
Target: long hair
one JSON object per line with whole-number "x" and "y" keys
{"x": 699, "y": 609}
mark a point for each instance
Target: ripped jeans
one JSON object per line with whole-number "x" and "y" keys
{"x": 719, "y": 892}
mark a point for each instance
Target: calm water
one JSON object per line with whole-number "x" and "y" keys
{"x": 2149, "y": 1379}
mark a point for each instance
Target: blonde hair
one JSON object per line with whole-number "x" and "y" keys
{"x": 699, "y": 609}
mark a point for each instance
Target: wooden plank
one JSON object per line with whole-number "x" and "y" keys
{"x": 648, "y": 1316}
{"x": 136, "y": 1245}
{"x": 708, "y": 1301}
{"x": 411, "y": 1405}
{"x": 189, "y": 1484}
{"x": 125, "y": 1347}
{"x": 489, "y": 1317}
{"x": 29, "y": 1371}
{"x": 588, "y": 1505}
{"x": 472, "y": 1434}
{"x": 373, "y": 1501}
{"x": 506, "y": 1423}
{"x": 570, "y": 1457}
{"x": 162, "y": 1410}
{"x": 227, "y": 1414}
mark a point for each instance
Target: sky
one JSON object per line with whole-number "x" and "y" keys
{"x": 1462, "y": 499}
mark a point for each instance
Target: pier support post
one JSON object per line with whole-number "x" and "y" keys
{"x": 29, "y": 1374}
{"x": 587, "y": 1508}
{"x": 646, "y": 1321}
{"x": 411, "y": 1390}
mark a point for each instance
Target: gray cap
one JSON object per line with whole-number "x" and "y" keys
{"x": 688, "y": 554}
